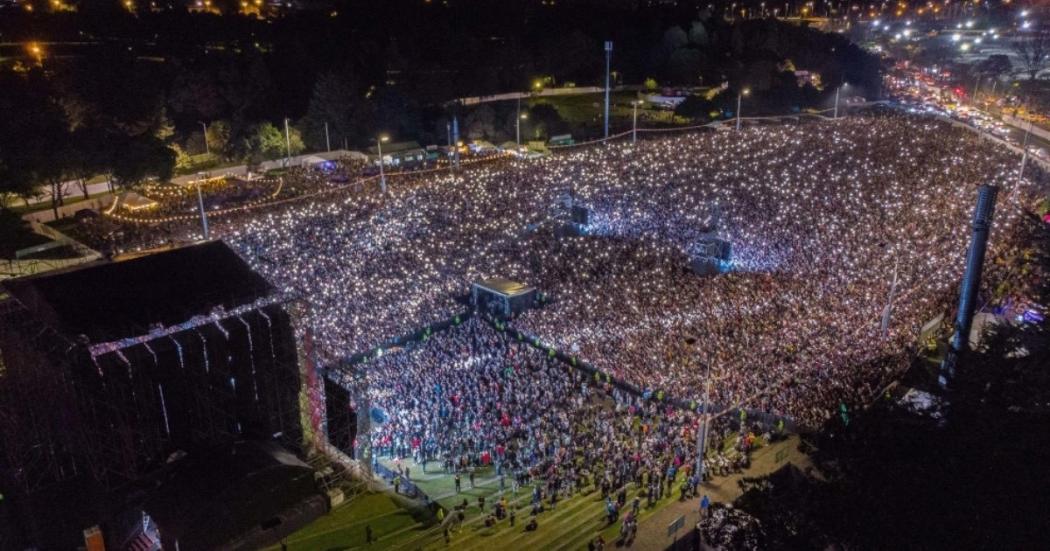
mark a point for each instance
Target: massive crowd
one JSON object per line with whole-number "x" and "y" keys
{"x": 473, "y": 396}
{"x": 829, "y": 223}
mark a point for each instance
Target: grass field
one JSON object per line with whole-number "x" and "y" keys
{"x": 402, "y": 524}
{"x": 391, "y": 520}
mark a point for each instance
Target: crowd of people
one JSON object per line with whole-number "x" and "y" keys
{"x": 473, "y": 396}
{"x": 837, "y": 229}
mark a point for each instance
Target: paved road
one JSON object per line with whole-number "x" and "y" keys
{"x": 72, "y": 189}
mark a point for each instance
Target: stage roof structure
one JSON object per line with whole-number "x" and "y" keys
{"x": 107, "y": 301}
{"x": 504, "y": 287}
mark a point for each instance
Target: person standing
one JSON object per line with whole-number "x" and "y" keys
{"x": 368, "y": 534}
{"x": 458, "y": 483}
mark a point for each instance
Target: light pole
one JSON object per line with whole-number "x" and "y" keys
{"x": 1024, "y": 149}
{"x": 455, "y": 141}
{"x": 837, "y": 91}
{"x": 207, "y": 148}
{"x": 739, "y": 102}
{"x": 701, "y": 437}
{"x": 608, "y": 63}
{"x": 287, "y": 144}
{"x": 976, "y": 87}
{"x": 521, "y": 117}
{"x": 634, "y": 123}
{"x": 327, "y": 142}
{"x": 200, "y": 203}
{"x": 382, "y": 175}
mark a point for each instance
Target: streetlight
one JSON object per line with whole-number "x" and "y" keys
{"x": 837, "y": 91}
{"x": 37, "y": 52}
{"x": 1024, "y": 148}
{"x": 201, "y": 177}
{"x": 382, "y": 175}
{"x": 701, "y": 437}
{"x": 327, "y": 142}
{"x": 521, "y": 117}
{"x": 207, "y": 148}
{"x": 288, "y": 144}
{"x": 608, "y": 62}
{"x": 739, "y": 100}
{"x": 634, "y": 124}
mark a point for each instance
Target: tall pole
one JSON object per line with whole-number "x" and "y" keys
{"x": 517, "y": 124}
{"x": 204, "y": 214}
{"x": 448, "y": 130}
{"x": 976, "y": 87}
{"x": 634, "y": 123}
{"x": 701, "y": 440}
{"x": 1024, "y": 149}
{"x": 287, "y": 144}
{"x": 608, "y": 65}
{"x": 982, "y": 225}
{"x": 739, "y": 102}
{"x": 837, "y": 91}
{"x": 455, "y": 143}
{"x": 207, "y": 149}
{"x": 382, "y": 175}
{"x": 327, "y": 142}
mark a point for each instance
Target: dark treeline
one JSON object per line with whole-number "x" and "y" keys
{"x": 135, "y": 82}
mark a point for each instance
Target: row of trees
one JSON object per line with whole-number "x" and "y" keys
{"x": 156, "y": 79}
{"x": 51, "y": 138}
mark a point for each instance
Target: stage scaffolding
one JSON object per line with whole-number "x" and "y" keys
{"x": 117, "y": 412}
{"x": 39, "y": 425}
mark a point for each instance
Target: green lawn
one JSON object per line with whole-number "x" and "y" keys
{"x": 344, "y": 527}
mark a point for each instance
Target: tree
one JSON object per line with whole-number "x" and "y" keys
{"x": 141, "y": 157}
{"x": 1033, "y": 51}
{"x": 698, "y": 34}
{"x": 333, "y": 102}
{"x": 994, "y": 66}
{"x": 218, "y": 137}
{"x": 480, "y": 123}
{"x": 265, "y": 141}
{"x": 87, "y": 156}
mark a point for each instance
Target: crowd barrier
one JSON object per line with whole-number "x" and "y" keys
{"x": 420, "y": 334}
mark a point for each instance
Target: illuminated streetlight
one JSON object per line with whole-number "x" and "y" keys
{"x": 517, "y": 123}
{"x": 37, "y": 52}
